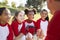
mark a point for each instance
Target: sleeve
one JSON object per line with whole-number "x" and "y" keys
{"x": 38, "y": 24}
{"x": 35, "y": 26}
{"x": 10, "y": 36}
{"x": 53, "y": 32}
{"x": 15, "y": 29}
{"x": 23, "y": 30}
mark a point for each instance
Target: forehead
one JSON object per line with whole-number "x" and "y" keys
{"x": 21, "y": 13}
{"x": 31, "y": 12}
{"x": 6, "y": 11}
{"x": 45, "y": 12}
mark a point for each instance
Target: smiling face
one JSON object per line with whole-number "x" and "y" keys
{"x": 5, "y": 15}
{"x": 44, "y": 14}
{"x": 20, "y": 16}
{"x": 30, "y": 15}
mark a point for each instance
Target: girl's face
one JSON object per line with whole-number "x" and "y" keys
{"x": 30, "y": 15}
{"x": 5, "y": 15}
{"x": 20, "y": 17}
{"x": 44, "y": 14}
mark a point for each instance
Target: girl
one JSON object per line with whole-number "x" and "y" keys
{"x": 18, "y": 25}
{"x": 5, "y": 29}
{"x": 30, "y": 23}
{"x": 42, "y": 23}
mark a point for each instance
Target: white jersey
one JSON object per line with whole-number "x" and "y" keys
{"x": 4, "y": 32}
{"x": 29, "y": 24}
{"x": 19, "y": 27}
{"x": 44, "y": 25}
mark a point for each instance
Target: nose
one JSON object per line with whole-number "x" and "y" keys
{"x": 9, "y": 16}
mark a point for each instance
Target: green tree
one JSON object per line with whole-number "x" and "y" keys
{"x": 13, "y": 5}
{"x": 4, "y": 3}
{"x": 21, "y": 7}
{"x": 35, "y": 3}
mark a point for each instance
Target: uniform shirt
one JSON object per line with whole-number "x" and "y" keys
{"x": 6, "y": 32}
{"x": 30, "y": 26}
{"x": 53, "y": 32}
{"x": 18, "y": 27}
{"x": 43, "y": 25}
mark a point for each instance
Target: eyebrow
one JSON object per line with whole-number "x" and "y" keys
{"x": 57, "y": 0}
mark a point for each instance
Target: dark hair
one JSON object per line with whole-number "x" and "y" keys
{"x": 47, "y": 18}
{"x": 1, "y": 10}
{"x": 30, "y": 10}
{"x": 16, "y": 14}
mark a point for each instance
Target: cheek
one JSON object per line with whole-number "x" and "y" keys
{"x": 46, "y": 16}
{"x": 32, "y": 16}
{"x": 4, "y": 18}
{"x": 42, "y": 15}
{"x": 7, "y": 18}
{"x": 20, "y": 18}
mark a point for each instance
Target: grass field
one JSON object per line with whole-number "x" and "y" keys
{"x": 36, "y": 17}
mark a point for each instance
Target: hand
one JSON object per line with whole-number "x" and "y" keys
{"x": 29, "y": 36}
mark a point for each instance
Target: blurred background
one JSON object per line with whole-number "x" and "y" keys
{"x": 14, "y": 5}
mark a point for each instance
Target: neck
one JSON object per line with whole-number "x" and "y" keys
{"x": 2, "y": 22}
{"x": 43, "y": 19}
{"x": 19, "y": 21}
{"x": 29, "y": 21}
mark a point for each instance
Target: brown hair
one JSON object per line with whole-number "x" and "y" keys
{"x": 16, "y": 14}
{"x": 30, "y": 10}
{"x": 1, "y": 10}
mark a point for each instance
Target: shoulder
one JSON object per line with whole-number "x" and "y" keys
{"x": 25, "y": 21}
{"x": 14, "y": 22}
{"x": 38, "y": 20}
{"x": 57, "y": 14}
{"x": 33, "y": 21}
{"x": 9, "y": 26}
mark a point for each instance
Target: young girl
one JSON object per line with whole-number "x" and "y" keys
{"x": 30, "y": 23}
{"x": 42, "y": 23}
{"x": 18, "y": 25}
{"x": 5, "y": 29}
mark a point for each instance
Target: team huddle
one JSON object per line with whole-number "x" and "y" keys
{"x": 29, "y": 29}
{"x": 21, "y": 29}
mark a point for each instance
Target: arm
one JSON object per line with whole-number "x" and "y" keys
{"x": 10, "y": 36}
{"x": 21, "y": 33}
{"x": 19, "y": 36}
